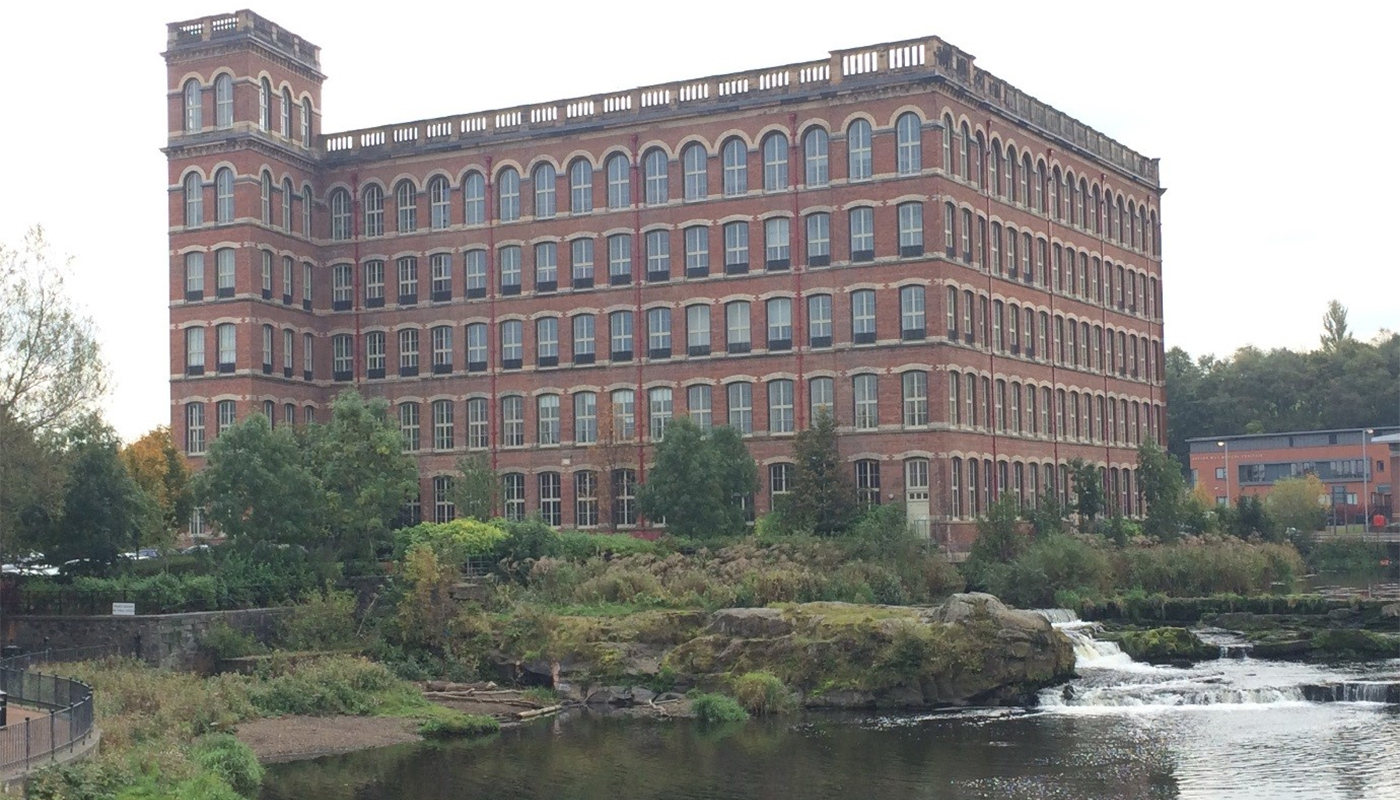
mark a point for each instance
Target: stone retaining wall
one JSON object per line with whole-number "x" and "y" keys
{"x": 161, "y": 640}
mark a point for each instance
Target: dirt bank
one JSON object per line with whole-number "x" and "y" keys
{"x": 293, "y": 738}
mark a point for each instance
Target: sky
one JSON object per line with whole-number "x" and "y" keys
{"x": 1272, "y": 122}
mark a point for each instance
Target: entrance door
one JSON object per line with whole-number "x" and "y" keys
{"x": 916, "y": 508}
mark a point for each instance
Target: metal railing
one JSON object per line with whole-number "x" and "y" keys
{"x": 64, "y": 707}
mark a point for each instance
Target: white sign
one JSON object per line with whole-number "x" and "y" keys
{"x": 123, "y": 609}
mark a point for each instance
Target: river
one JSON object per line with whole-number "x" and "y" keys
{"x": 1233, "y": 729}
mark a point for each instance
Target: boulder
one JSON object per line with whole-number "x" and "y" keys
{"x": 641, "y": 695}
{"x": 1391, "y": 611}
{"x": 1166, "y": 646}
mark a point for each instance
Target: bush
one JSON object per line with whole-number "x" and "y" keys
{"x": 454, "y": 541}
{"x": 1056, "y": 562}
{"x": 581, "y": 545}
{"x": 714, "y": 709}
{"x": 527, "y": 540}
{"x": 325, "y": 621}
{"x": 231, "y": 760}
{"x": 326, "y": 687}
{"x": 763, "y": 693}
{"x": 1197, "y": 569}
{"x": 1346, "y": 554}
{"x": 221, "y": 642}
{"x": 455, "y": 725}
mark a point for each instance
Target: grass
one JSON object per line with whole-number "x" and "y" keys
{"x": 717, "y": 709}
{"x": 763, "y": 693}
{"x": 458, "y": 724}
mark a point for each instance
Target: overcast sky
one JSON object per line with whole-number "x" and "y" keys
{"x": 1272, "y": 126}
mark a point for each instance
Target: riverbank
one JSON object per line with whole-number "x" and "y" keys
{"x": 291, "y": 738}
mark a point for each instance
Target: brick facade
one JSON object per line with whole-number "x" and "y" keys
{"x": 1000, "y": 283}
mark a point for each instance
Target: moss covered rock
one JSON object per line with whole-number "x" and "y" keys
{"x": 1345, "y": 644}
{"x": 1166, "y": 645}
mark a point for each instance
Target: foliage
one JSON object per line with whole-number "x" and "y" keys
{"x": 32, "y": 473}
{"x": 231, "y": 760}
{"x": 717, "y": 709}
{"x": 159, "y": 468}
{"x": 459, "y": 725}
{"x": 1295, "y": 503}
{"x": 1346, "y": 554}
{"x": 763, "y": 693}
{"x": 427, "y": 605}
{"x": 1335, "y": 332}
{"x": 1046, "y": 516}
{"x": 1088, "y": 489}
{"x": 326, "y": 687}
{"x": 526, "y": 541}
{"x": 256, "y": 485}
{"x": 822, "y": 499}
{"x": 1059, "y": 562}
{"x": 222, "y": 642}
{"x": 453, "y": 541}
{"x": 1164, "y": 488}
{"x": 1349, "y": 385}
{"x": 103, "y": 512}
{"x": 364, "y": 476}
{"x": 1161, "y": 645}
{"x": 475, "y": 488}
{"x": 580, "y": 545}
{"x": 1196, "y": 569}
{"x": 51, "y": 369}
{"x": 1249, "y": 517}
{"x": 699, "y": 481}
{"x": 323, "y": 621}
{"x": 1000, "y": 540}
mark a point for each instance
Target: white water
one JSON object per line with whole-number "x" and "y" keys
{"x": 1111, "y": 682}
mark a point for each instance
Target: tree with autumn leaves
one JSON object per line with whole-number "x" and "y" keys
{"x": 159, "y": 468}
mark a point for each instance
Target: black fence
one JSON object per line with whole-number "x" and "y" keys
{"x": 56, "y": 715}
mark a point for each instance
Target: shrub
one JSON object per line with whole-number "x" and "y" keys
{"x": 1346, "y": 554}
{"x": 763, "y": 693}
{"x": 326, "y": 687}
{"x": 458, "y": 724}
{"x": 453, "y": 541}
{"x": 527, "y": 540}
{"x": 714, "y": 709}
{"x": 221, "y": 641}
{"x": 1053, "y": 563}
{"x": 324, "y": 621}
{"x": 231, "y": 760}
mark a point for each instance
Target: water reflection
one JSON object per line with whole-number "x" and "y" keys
{"x": 1234, "y": 753}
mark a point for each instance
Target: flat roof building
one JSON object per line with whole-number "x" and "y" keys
{"x": 1357, "y": 465}
{"x": 969, "y": 278}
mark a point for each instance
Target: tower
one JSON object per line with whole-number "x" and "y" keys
{"x": 243, "y": 99}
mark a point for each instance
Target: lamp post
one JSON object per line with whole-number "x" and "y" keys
{"x": 1226, "y": 444}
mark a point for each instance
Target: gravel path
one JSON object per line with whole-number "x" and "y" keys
{"x": 293, "y": 738}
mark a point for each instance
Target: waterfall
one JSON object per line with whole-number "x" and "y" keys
{"x": 1057, "y": 616}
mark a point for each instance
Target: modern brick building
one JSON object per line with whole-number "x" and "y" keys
{"x": 968, "y": 277}
{"x": 1356, "y": 465}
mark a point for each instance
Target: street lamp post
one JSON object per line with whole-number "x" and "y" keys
{"x": 1226, "y": 444}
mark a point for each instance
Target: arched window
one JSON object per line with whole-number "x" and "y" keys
{"x": 619, "y": 186}
{"x": 266, "y": 198}
{"x": 223, "y": 101}
{"x": 964, "y": 140}
{"x": 223, "y": 196}
{"x": 775, "y": 162}
{"x": 285, "y": 128}
{"x": 736, "y": 167}
{"x": 286, "y": 203}
{"x": 1025, "y": 191}
{"x": 543, "y": 179}
{"x": 440, "y": 202}
{"x": 580, "y": 186}
{"x": 694, "y": 163}
{"x": 994, "y": 178}
{"x": 1038, "y": 191}
{"x": 194, "y": 200}
{"x": 508, "y": 195}
{"x": 307, "y": 203}
{"x": 474, "y": 199}
{"x": 948, "y": 144}
{"x": 858, "y": 158}
{"x": 815, "y": 144}
{"x": 374, "y": 210}
{"x": 657, "y": 187}
{"x": 305, "y": 107}
{"x": 340, "y": 215}
{"x": 194, "y": 106}
{"x": 406, "y": 206}
{"x": 909, "y": 146}
{"x": 264, "y": 104}
{"x": 1010, "y": 174}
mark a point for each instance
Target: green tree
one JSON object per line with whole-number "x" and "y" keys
{"x": 1164, "y": 488}
{"x": 159, "y": 468}
{"x": 822, "y": 498}
{"x": 257, "y": 485}
{"x": 699, "y": 482}
{"x": 683, "y": 486}
{"x": 1000, "y": 540}
{"x": 1047, "y": 518}
{"x": 1298, "y": 503}
{"x": 103, "y": 511}
{"x": 1088, "y": 489}
{"x": 475, "y": 488}
{"x": 32, "y": 477}
{"x": 1335, "y": 332}
{"x": 365, "y": 477}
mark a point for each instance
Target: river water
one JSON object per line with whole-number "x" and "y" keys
{"x": 1233, "y": 729}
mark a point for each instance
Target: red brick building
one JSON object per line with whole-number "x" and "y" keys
{"x": 1356, "y": 465}
{"x": 969, "y": 278}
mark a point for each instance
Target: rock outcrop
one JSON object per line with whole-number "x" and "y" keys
{"x": 971, "y": 649}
